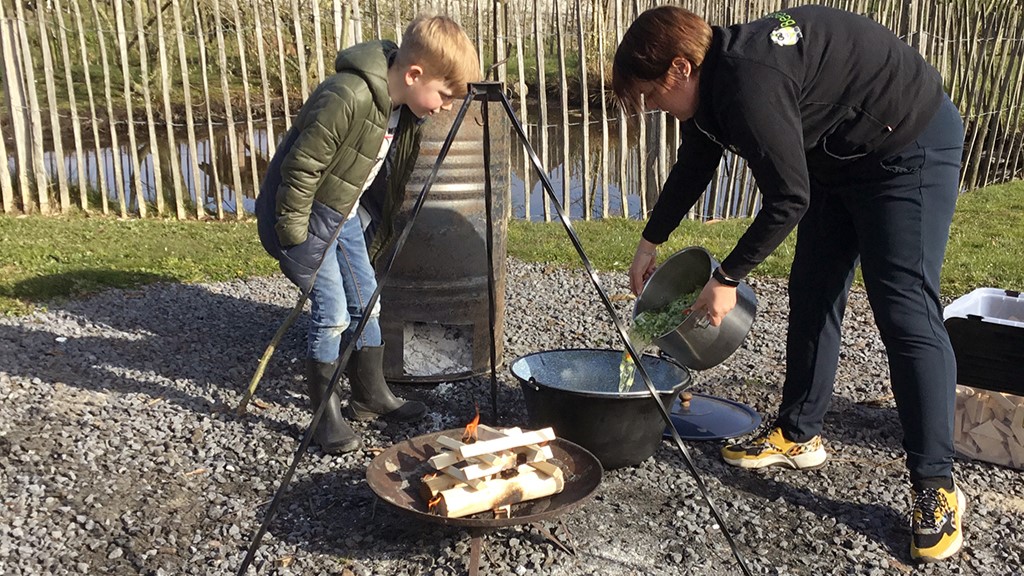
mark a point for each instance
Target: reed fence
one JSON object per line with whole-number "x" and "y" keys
{"x": 112, "y": 105}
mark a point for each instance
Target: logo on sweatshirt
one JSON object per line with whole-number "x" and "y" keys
{"x": 788, "y": 34}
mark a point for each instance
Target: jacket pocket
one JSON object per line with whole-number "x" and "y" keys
{"x": 300, "y": 261}
{"x": 856, "y": 134}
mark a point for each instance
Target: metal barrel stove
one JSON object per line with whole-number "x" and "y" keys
{"x": 435, "y": 307}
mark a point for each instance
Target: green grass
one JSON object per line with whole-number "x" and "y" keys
{"x": 51, "y": 258}
{"x": 44, "y": 259}
{"x": 986, "y": 245}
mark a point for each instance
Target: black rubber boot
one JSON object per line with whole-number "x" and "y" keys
{"x": 371, "y": 396}
{"x": 333, "y": 435}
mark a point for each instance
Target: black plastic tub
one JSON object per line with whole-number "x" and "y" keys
{"x": 576, "y": 392}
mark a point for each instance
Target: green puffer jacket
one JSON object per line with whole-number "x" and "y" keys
{"x": 321, "y": 167}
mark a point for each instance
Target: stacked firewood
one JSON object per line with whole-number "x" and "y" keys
{"x": 490, "y": 469}
{"x": 989, "y": 426}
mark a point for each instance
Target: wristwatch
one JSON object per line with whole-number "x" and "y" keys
{"x": 721, "y": 278}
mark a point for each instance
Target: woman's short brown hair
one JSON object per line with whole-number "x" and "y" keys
{"x": 647, "y": 49}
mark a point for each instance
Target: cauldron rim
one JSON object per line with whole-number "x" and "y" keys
{"x": 639, "y": 389}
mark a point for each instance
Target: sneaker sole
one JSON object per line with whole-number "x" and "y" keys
{"x": 808, "y": 461}
{"x": 954, "y": 547}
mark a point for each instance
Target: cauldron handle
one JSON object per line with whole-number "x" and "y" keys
{"x": 663, "y": 356}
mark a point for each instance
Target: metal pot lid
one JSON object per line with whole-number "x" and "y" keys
{"x": 708, "y": 417}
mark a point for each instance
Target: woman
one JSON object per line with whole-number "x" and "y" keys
{"x": 853, "y": 143}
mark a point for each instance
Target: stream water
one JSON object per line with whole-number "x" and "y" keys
{"x": 210, "y": 179}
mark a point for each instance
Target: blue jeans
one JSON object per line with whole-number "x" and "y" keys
{"x": 339, "y": 296}
{"x": 894, "y": 217}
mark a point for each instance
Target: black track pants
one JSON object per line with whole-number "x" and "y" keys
{"x": 893, "y": 216}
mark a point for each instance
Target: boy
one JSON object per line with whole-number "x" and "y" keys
{"x": 341, "y": 138}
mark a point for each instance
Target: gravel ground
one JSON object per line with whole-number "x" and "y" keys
{"x": 120, "y": 453}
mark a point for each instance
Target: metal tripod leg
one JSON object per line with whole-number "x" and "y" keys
{"x": 476, "y": 545}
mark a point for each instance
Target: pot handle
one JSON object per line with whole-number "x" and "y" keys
{"x": 533, "y": 383}
{"x": 670, "y": 360}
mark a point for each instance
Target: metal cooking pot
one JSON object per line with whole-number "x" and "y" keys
{"x": 576, "y": 392}
{"x": 694, "y": 343}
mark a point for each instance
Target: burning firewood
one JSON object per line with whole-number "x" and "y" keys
{"x": 490, "y": 469}
{"x": 528, "y": 484}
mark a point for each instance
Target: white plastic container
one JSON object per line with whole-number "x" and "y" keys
{"x": 991, "y": 304}
{"x": 986, "y": 328}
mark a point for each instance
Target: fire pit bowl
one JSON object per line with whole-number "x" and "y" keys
{"x": 576, "y": 392}
{"x": 395, "y": 473}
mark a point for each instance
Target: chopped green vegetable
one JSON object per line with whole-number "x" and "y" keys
{"x": 651, "y": 324}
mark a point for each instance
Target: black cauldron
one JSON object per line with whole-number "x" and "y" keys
{"x": 576, "y": 392}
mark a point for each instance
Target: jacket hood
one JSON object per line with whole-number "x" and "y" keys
{"x": 370, "y": 60}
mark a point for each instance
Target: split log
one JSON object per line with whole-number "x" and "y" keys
{"x": 989, "y": 426}
{"x": 507, "y": 443}
{"x": 529, "y": 484}
{"x": 531, "y": 451}
{"x": 430, "y": 486}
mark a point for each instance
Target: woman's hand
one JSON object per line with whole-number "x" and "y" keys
{"x": 715, "y": 301}
{"x": 645, "y": 261}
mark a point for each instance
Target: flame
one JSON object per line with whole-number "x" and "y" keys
{"x": 469, "y": 436}
{"x": 432, "y": 504}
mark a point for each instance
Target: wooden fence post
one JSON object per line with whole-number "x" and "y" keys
{"x": 523, "y": 107}
{"x": 101, "y": 173}
{"x": 34, "y": 114}
{"x": 51, "y": 101}
{"x": 564, "y": 92}
{"x": 173, "y": 154}
{"x": 147, "y": 97}
{"x": 585, "y": 103}
{"x": 215, "y": 185}
{"x": 250, "y": 129}
{"x": 189, "y": 119}
{"x": 236, "y": 175}
{"x": 300, "y": 50}
{"x": 76, "y": 123}
{"x": 126, "y": 79}
{"x": 542, "y": 92}
{"x": 14, "y": 95}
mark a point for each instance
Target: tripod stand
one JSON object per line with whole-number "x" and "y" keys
{"x": 486, "y": 92}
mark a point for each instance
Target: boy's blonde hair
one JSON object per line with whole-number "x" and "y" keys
{"x": 441, "y": 47}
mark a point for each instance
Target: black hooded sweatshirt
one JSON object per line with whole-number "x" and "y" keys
{"x": 802, "y": 93}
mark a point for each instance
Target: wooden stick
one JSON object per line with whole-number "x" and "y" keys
{"x": 507, "y": 443}
{"x": 265, "y": 359}
{"x": 476, "y": 471}
{"x": 431, "y": 486}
